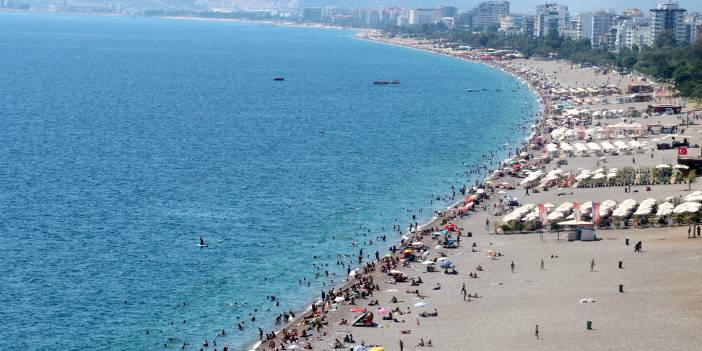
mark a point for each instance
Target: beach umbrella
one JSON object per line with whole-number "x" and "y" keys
{"x": 395, "y": 271}
{"x": 420, "y": 304}
{"x": 428, "y": 262}
{"x": 442, "y": 259}
{"x": 360, "y": 348}
{"x": 687, "y": 207}
{"x": 293, "y": 347}
{"x": 695, "y": 198}
{"x": 681, "y": 167}
{"x": 598, "y": 176}
{"x": 502, "y": 192}
{"x": 339, "y": 299}
{"x": 358, "y": 310}
{"x": 446, "y": 264}
{"x": 662, "y": 166}
{"x": 665, "y": 209}
{"x": 352, "y": 273}
{"x": 377, "y": 348}
{"x": 417, "y": 243}
{"x": 438, "y": 247}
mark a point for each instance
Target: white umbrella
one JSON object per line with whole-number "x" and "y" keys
{"x": 681, "y": 167}
{"x": 662, "y": 166}
{"x": 665, "y": 209}
{"x": 687, "y": 207}
{"x": 420, "y": 304}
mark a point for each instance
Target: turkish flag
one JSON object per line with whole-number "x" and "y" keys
{"x": 682, "y": 151}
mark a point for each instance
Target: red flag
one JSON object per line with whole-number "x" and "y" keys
{"x": 542, "y": 215}
{"x": 682, "y": 151}
{"x": 576, "y": 211}
{"x": 596, "y": 212}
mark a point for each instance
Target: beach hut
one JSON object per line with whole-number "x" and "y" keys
{"x": 582, "y": 230}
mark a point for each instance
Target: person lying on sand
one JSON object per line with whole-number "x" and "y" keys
{"x": 407, "y": 331}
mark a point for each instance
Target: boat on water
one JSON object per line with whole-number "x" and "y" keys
{"x": 472, "y": 90}
{"x": 381, "y": 82}
{"x": 278, "y": 79}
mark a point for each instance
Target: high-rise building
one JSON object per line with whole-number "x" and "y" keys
{"x": 551, "y": 17}
{"x": 514, "y": 24}
{"x": 595, "y": 27}
{"x": 489, "y": 13}
{"x": 422, "y": 16}
{"x": 669, "y": 16}
{"x": 312, "y": 14}
{"x": 446, "y": 11}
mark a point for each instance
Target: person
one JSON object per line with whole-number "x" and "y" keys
{"x": 637, "y": 247}
{"x": 699, "y": 231}
{"x": 402, "y": 345}
{"x": 536, "y": 332}
{"x": 542, "y": 265}
{"x": 202, "y": 242}
{"x": 592, "y": 265}
{"x": 512, "y": 266}
{"x": 689, "y": 230}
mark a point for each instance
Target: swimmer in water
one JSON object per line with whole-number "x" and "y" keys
{"x": 202, "y": 242}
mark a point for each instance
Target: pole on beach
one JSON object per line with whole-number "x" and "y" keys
{"x": 621, "y": 288}
{"x": 621, "y": 265}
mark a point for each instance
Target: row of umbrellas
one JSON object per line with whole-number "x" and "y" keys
{"x": 529, "y": 212}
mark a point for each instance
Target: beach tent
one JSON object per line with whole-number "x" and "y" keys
{"x": 665, "y": 209}
{"x": 687, "y": 207}
{"x": 574, "y": 222}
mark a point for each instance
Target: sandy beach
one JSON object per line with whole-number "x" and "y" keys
{"x": 553, "y": 284}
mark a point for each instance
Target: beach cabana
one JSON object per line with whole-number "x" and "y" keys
{"x": 582, "y": 230}
{"x": 665, "y": 209}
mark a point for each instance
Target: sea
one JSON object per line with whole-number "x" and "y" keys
{"x": 124, "y": 140}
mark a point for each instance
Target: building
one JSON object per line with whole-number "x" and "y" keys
{"x": 669, "y": 16}
{"x": 421, "y": 16}
{"x": 551, "y": 17}
{"x": 312, "y": 14}
{"x": 595, "y": 27}
{"x": 515, "y": 24}
{"x": 489, "y": 13}
{"x": 446, "y": 11}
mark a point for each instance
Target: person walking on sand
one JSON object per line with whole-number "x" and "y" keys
{"x": 637, "y": 247}
{"x": 402, "y": 345}
{"x": 592, "y": 265}
{"x": 542, "y": 265}
{"x": 536, "y": 332}
{"x": 511, "y": 266}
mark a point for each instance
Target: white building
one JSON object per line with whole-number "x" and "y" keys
{"x": 595, "y": 27}
{"x": 421, "y": 16}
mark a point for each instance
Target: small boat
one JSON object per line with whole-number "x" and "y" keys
{"x": 278, "y": 79}
{"x": 381, "y": 82}
{"x": 472, "y": 90}
{"x": 395, "y": 82}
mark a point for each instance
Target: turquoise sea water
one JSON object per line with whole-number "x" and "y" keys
{"x": 122, "y": 140}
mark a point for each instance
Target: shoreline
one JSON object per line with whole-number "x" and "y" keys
{"x": 540, "y": 77}
{"x": 436, "y": 218}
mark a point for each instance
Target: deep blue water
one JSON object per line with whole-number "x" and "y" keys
{"x": 124, "y": 139}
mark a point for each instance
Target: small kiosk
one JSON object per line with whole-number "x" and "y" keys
{"x": 581, "y": 230}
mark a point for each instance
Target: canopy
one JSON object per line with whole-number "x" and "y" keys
{"x": 574, "y": 222}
